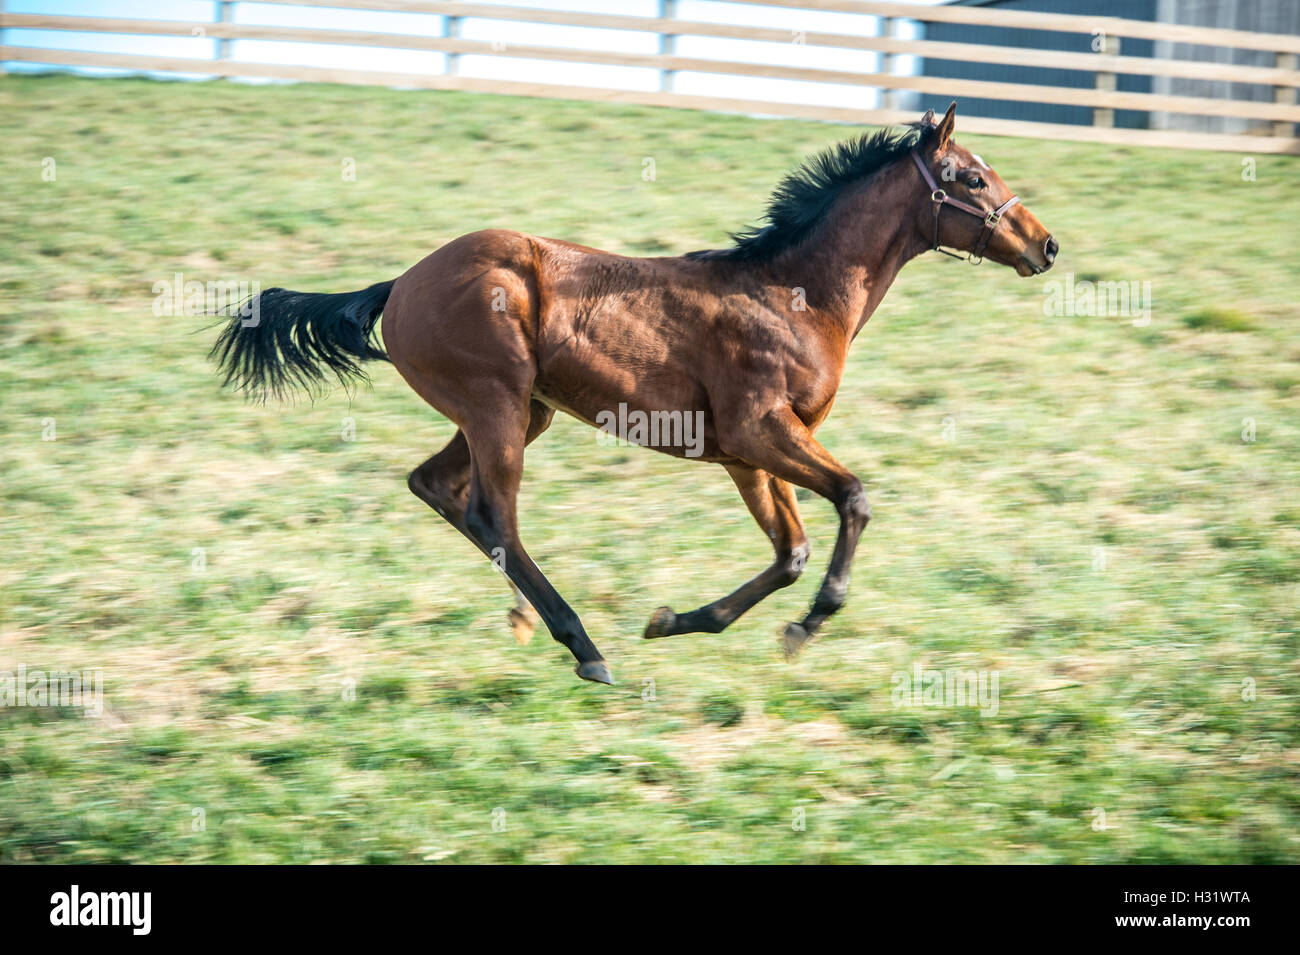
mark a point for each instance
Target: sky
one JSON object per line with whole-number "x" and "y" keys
{"x": 506, "y": 32}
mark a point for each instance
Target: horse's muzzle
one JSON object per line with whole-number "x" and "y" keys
{"x": 1033, "y": 265}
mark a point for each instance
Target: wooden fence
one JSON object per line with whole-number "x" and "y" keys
{"x": 1278, "y": 132}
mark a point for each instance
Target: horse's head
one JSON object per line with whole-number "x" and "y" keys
{"x": 970, "y": 208}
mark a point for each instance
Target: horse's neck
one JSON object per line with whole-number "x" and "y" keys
{"x": 846, "y": 267}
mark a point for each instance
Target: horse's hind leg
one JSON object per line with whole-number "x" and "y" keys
{"x": 772, "y": 502}
{"x": 442, "y": 482}
{"x": 496, "y": 446}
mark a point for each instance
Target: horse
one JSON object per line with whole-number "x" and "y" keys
{"x": 497, "y": 330}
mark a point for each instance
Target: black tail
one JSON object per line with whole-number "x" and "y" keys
{"x": 279, "y": 340}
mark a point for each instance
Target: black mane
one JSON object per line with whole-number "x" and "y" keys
{"x": 805, "y": 194}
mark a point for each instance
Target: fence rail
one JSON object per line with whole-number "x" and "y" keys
{"x": 1101, "y": 95}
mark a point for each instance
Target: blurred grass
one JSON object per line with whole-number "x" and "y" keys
{"x": 1001, "y": 449}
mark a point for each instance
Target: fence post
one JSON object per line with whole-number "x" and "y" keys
{"x": 667, "y": 44}
{"x": 1106, "y": 80}
{"x": 225, "y": 14}
{"x": 888, "y": 30}
{"x": 1281, "y": 94}
{"x": 451, "y": 31}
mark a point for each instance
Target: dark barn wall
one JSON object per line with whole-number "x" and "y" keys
{"x": 1041, "y": 76}
{"x": 1260, "y": 16}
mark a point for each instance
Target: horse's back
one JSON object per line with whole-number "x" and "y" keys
{"x": 580, "y": 328}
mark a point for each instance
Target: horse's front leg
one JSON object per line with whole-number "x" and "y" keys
{"x": 773, "y": 505}
{"x": 783, "y": 445}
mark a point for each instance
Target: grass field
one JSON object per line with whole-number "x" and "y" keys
{"x": 302, "y": 663}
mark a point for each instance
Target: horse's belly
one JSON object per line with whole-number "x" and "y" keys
{"x": 631, "y": 386}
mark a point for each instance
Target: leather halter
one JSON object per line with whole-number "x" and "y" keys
{"x": 941, "y": 199}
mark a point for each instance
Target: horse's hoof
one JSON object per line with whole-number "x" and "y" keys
{"x": 793, "y": 640}
{"x": 597, "y": 671}
{"x": 521, "y": 626}
{"x": 661, "y": 623}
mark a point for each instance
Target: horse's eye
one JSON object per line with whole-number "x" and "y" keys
{"x": 975, "y": 182}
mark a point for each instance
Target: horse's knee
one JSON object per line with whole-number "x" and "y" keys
{"x": 792, "y": 563}
{"x": 854, "y": 506}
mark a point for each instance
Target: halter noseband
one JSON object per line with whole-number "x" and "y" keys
{"x": 941, "y": 198}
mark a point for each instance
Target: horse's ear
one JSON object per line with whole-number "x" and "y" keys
{"x": 943, "y": 132}
{"x": 928, "y": 119}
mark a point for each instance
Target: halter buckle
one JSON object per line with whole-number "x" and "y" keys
{"x": 939, "y": 196}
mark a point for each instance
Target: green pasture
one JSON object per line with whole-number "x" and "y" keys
{"x": 302, "y": 663}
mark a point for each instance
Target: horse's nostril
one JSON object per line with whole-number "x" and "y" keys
{"x": 1050, "y": 249}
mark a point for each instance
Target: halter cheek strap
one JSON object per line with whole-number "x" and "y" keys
{"x": 940, "y": 199}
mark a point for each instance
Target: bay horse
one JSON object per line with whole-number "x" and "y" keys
{"x": 497, "y": 330}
